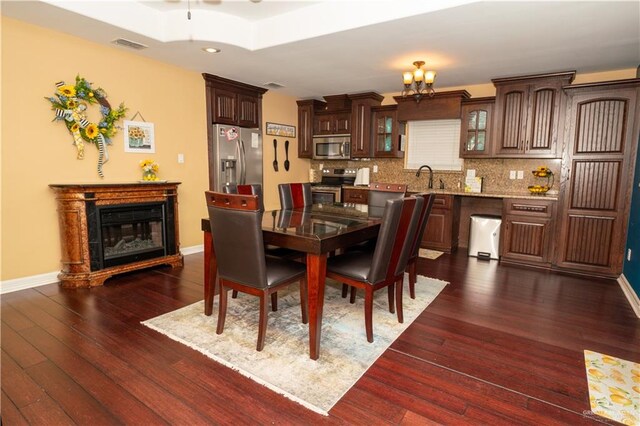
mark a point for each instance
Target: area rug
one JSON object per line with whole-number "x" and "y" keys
{"x": 284, "y": 365}
{"x": 614, "y": 387}
{"x": 430, "y": 254}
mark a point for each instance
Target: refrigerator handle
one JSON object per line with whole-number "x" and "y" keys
{"x": 243, "y": 163}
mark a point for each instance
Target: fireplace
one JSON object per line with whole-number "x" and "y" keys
{"x": 112, "y": 228}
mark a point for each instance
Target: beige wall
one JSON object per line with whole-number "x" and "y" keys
{"x": 37, "y": 151}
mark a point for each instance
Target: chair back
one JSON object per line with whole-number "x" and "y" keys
{"x": 422, "y": 223}
{"x": 249, "y": 189}
{"x": 236, "y": 229}
{"x": 379, "y": 193}
{"x": 294, "y": 195}
{"x": 397, "y": 230}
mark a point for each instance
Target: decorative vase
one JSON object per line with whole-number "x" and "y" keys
{"x": 149, "y": 176}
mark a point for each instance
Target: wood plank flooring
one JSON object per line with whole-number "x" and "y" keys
{"x": 500, "y": 345}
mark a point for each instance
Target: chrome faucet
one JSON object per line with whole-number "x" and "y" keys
{"x": 430, "y": 175}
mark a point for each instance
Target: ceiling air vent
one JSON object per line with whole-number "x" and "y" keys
{"x": 273, "y": 85}
{"x": 128, "y": 43}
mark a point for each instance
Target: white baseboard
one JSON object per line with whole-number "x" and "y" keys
{"x": 8, "y": 286}
{"x": 631, "y": 295}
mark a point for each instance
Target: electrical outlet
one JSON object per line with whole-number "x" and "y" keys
{"x": 375, "y": 168}
{"x": 320, "y": 166}
{"x": 628, "y": 255}
{"x": 520, "y": 174}
{"x": 180, "y": 158}
{"x": 512, "y": 174}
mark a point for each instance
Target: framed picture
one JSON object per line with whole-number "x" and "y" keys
{"x": 138, "y": 137}
{"x": 275, "y": 129}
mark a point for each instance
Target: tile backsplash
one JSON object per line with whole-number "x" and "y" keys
{"x": 495, "y": 172}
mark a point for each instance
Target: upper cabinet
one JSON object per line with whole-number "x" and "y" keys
{"x": 475, "y": 129}
{"x": 527, "y": 115}
{"x": 361, "y": 111}
{"x": 332, "y": 123}
{"x": 306, "y": 114}
{"x": 232, "y": 102}
{"x": 386, "y": 142}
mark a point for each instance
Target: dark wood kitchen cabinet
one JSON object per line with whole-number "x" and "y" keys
{"x": 597, "y": 176}
{"x": 361, "y": 112}
{"x": 355, "y": 195}
{"x": 234, "y": 103}
{"x": 526, "y": 233}
{"x": 475, "y": 130}
{"x": 528, "y": 115}
{"x": 386, "y": 141}
{"x": 306, "y": 114}
{"x": 332, "y": 123}
{"x": 443, "y": 225}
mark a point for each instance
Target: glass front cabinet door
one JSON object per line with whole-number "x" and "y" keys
{"x": 386, "y": 142}
{"x": 475, "y": 127}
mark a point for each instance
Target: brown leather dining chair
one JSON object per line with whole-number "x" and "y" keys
{"x": 246, "y": 189}
{"x": 385, "y": 265}
{"x": 236, "y": 229}
{"x": 415, "y": 248}
{"x": 294, "y": 195}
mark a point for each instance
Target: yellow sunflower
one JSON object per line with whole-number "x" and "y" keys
{"x": 72, "y": 103}
{"x": 67, "y": 90}
{"x": 91, "y": 131}
{"x": 75, "y": 127}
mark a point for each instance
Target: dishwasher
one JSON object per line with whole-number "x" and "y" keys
{"x": 484, "y": 236}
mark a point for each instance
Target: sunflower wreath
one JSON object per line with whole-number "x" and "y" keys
{"x": 70, "y": 105}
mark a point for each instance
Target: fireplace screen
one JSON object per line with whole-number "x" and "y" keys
{"x": 131, "y": 233}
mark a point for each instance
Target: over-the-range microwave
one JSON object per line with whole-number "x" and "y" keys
{"x": 332, "y": 147}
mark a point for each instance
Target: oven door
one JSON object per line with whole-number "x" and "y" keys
{"x": 325, "y": 195}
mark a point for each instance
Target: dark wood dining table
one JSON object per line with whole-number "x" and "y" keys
{"x": 316, "y": 230}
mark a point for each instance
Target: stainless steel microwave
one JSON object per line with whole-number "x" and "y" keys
{"x": 333, "y": 147}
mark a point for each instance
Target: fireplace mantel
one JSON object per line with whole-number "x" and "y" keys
{"x": 79, "y": 207}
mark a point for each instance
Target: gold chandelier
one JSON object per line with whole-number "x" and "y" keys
{"x": 419, "y": 82}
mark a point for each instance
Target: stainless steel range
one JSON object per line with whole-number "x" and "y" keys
{"x": 329, "y": 189}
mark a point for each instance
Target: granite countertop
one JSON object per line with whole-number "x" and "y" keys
{"x": 522, "y": 195}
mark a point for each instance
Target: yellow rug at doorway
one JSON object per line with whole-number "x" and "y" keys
{"x": 614, "y": 387}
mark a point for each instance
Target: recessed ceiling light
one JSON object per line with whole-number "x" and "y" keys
{"x": 211, "y": 50}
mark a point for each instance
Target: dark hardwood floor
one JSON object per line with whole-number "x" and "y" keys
{"x": 500, "y": 345}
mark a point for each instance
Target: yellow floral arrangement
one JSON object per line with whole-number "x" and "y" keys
{"x": 70, "y": 103}
{"x": 149, "y": 170}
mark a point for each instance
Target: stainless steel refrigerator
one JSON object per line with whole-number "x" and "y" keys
{"x": 236, "y": 156}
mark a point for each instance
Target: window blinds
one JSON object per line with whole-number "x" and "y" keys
{"x": 435, "y": 143}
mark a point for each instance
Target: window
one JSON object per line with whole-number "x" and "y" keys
{"x": 435, "y": 143}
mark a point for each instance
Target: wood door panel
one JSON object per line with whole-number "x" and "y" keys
{"x": 225, "y": 107}
{"x": 589, "y": 239}
{"x": 595, "y": 185}
{"x": 248, "y": 111}
{"x": 511, "y": 119}
{"x": 436, "y": 232}
{"x": 543, "y": 125}
{"x": 526, "y": 238}
{"x": 601, "y": 126}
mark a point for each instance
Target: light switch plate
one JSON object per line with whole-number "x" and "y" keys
{"x": 375, "y": 168}
{"x": 520, "y": 174}
{"x": 512, "y": 174}
{"x": 180, "y": 158}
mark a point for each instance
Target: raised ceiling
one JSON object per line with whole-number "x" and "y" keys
{"x": 315, "y": 48}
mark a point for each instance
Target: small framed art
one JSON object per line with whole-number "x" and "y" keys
{"x": 285, "y": 130}
{"x": 138, "y": 137}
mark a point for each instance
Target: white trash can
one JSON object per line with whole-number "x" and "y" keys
{"x": 484, "y": 236}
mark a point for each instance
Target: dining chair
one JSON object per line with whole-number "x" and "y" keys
{"x": 294, "y": 195}
{"x": 415, "y": 249}
{"x": 245, "y": 189}
{"x": 379, "y": 193}
{"x": 236, "y": 230}
{"x": 385, "y": 265}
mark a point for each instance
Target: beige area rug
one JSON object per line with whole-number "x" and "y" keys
{"x": 430, "y": 254}
{"x": 614, "y": 387}
{"x": 284, "y": 365}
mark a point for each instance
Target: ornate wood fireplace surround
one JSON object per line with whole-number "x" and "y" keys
{"x": 107, "y": 229}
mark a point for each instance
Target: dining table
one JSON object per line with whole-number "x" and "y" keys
{"x": 315, "y": 230}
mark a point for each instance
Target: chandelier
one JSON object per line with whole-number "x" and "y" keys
{"x": 418, "y": 83}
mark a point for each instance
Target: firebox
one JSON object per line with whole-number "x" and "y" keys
{"x": 128, "y": 233}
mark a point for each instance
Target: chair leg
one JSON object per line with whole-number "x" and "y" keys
{"x": 234, "y": 294}
{"x": 345, "y": 290}
{"x": 412, "y": 279}
{"x": 222, "y": 309}
{"x": 352, "y": 297}
{"x": 274, "y": 302}
{"x": 304, "y": 300}
{"x": 399, "y": 289}
{"x": 262, "y": 323}
{"x": 392, "y": 308}
{"x": 368, "y": 313}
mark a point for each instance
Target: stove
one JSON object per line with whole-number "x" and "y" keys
{"x": 329, "y": 189}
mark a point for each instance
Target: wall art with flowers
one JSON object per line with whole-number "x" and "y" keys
{"x": 139, "y": 137}
{"x": 70, "y": 103}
